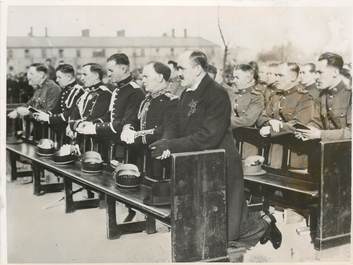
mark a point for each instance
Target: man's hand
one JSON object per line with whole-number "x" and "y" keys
{"x": 276, "y": 125}
{"x": 70, "y": 133}
{"x": 13, "y": 114}
{"x": 41, "y": 116}
{"x": 127, "y": 135}
{"x": 160, "y": 149}
{"x": 86, "y": 127}
{"x": 22, "y": 111}
{"x": 265, "y": 131}
{"x": 311, "y": 134}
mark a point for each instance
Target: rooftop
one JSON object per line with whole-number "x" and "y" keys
{"x": 107, "y": 42}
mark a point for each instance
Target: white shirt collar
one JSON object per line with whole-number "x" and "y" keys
{"x": 197, "y": 82}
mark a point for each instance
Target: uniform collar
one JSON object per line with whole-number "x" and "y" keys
{"x": 288, "y": 91}
{"x": 95, "y": 86}
{"x": 157, "y": 94}
{"x": 71, "y": 85}
{"x": 124, "y": 82}
{"x": 335, "y": 88}
{"x": 197, "y": 82}
{"x": 246, "y": 89}
{"x": 45, "y": 80}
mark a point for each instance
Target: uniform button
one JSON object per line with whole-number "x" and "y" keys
{"x": 331, "y": 96}
{"x": 284, "y": 98}
{"x": 329, "y": 108}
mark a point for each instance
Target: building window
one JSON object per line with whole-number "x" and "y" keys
{"x": 9, "y": 54}
{"x": 172, "y": 51}
{"x": 61, "y": 53}
{"x": 98, "y": 53}
{"x": 78, "y": 53}
{"x": 27, "y": 53}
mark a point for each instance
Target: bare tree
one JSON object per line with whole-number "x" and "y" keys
{"x": 225, "y": 53}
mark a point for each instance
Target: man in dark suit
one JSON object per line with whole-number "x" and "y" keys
{"x": 203, "y": 122}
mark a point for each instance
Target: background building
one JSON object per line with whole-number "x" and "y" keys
{"x": 78, "y": 50}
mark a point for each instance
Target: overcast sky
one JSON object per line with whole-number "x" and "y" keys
{"x": 256, "y": 28}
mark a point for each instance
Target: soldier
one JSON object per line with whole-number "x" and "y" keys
{"x": 307, "y": 76}
{"x": 203, "y": 122}
{"x": 156, "y": 110}
{"x": 174, "y": 82}
{"x": 71, "y": 91}
{"x": 247, "y": 101}
{"x": 46, "y": 92}
{"x": 336, "y": 101}
{"x": 93, "y": 104}
{"x": 124, "y": 103}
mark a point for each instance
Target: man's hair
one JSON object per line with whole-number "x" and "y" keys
{"x": 199, "y": 58}
{"x": 119, "y": 58}
{"x": 333, "y": 60}
{"x": 161, "y": 68}
{"x": 66, "y": 69}
{"x": 212, "y": 69}
{"x": 248, "y": 68}
{"x": 293, "y": 67}
{"x": 40, "y": 67}
{"x": 174, "y": 63}
{"x": 48, "y": 60}
{"x": 95, "y": 68}
{"x": 312, "y": 67}
{"x": 273, "y": 65}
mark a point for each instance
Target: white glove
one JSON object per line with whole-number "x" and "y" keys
{"x": 276, "y": 125}
{"x": 86, "y": 127}
{"x": 70, "y": 133}
{"x": 41, "y": 116}
{"x": 22, "y": 111}
{"x": 13, "y": 114}
{"x": 265, "y": 131}
{"x": 127, "y": 135}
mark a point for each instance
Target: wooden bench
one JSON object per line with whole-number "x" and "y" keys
{"x": 197, "y": 215}
{"x": 322, "y": 194}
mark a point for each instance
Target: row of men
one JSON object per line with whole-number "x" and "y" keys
{"x": 318, "y": 96}
{"x": 159, "y": 121}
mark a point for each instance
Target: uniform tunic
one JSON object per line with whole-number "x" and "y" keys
{"x": 336, "y": 113}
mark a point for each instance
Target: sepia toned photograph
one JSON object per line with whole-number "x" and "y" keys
{"x": 177, "y": 133}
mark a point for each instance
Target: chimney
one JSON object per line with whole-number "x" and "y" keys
{"x": 185, "y": 33}
{"x": 46, "y": 32}
{"x": 120, "y": 33}
{"x": 30, "y": 33}
{"x": 173, "y": 33}
{"x": 85, "y": 33}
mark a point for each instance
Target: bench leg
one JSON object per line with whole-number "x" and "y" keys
{"x": 36, "y": 180}
{"x": 150, "y": 224}
{"x": 90, "y": 194}
{"x": 115, "y": 230}
{"x": 13, "y": 164}
{"x": 69, "y": 203}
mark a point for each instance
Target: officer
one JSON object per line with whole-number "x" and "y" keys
{"x": 247, "y": 101}
{"x": 271, "y": 89}
{"x": 71, "y": 91}
{"x": 336, "y": 101}
{"x": 93, "y": 105}
{"x": 124, "y": 103}
{"x": 156, "y": 110}
{"x": 174, "y": 82}
{"x": 307, "y": 76}
{"x": 203, "y": 122}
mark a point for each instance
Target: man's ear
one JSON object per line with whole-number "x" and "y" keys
{"x": 199, "y": 70}
{"x": 125, "y": 68}
{"x": 160, "y": 78}
{"x": 336, "y": 72}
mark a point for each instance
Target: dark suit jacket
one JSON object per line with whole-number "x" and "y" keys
{"x": 203, "y": 122}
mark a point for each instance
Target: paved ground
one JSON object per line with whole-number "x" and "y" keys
{"x": 37, "y": 234}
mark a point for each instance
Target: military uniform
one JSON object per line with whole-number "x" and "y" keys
{"x": 156, "y": 110}
{"x": 291, "y": 106}
{"x": 313, "y": 91}
{"x": 269, "y": 91}
{"x": 92, "y": 106}
{"x": 336, "y": 112}
{"x": 247, "y": 105}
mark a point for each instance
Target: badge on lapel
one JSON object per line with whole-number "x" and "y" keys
{"x": 193, "y": 107}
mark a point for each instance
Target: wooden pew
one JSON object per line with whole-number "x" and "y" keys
{"x": 322, "y": 195}
{"x": 196, "y": 217}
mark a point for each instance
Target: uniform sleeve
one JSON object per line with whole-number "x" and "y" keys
{"x": 53, "y": 97}
{"x": 308, "y": 112}
{"x": 251, "y": 115}
{"x": 210, "y": 134}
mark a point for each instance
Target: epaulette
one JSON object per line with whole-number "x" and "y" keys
{"x": 105, "y": 88}
{"x": 256, "y": 92}
{"x": 302, "y": 90}
{"x": 134, "y": 84}
{"x": 78, "y": 86}
{"x": 170, "y": 95}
